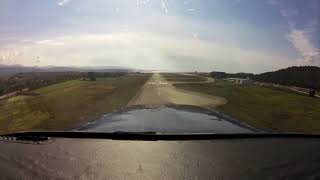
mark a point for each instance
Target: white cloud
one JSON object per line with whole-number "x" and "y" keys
{"x": 147, "y": 51}
{"x": 176, "y": 44}
{"x": 190, "y": 9}
{"x": 302, "y": 43}
{"x": 273, "y": 2}
{"x": 141, "y": 3}
{"x": 8, "y": 56}
{"x": 164, "y": 6}
{"x": 116, "y": 10}
{"x": 49, "y": 42}
{"x": 186, "y": 2}
{"x": 288, "y": 12}
{"x": 63, "y": 2}
{"x": 300, "y": 38}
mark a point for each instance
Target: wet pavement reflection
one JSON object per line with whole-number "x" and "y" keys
{"x": 167, "y": 119}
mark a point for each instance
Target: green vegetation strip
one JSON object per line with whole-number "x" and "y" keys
{"x": 182, "y": 78}
{"x": 265, "y": 108}
{"x": 185, "y": 79}
{"x": 65, "y": 105}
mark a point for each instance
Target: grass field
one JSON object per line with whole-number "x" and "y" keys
{"x": 265, "y": 108}
{"x": 182, "y": 78}
{"x": 65, "y": 105}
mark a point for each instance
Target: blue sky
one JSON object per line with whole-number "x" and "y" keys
{"x": 203, "y": 35}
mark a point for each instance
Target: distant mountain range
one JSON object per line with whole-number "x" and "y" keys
{"x": 9, "y": 70}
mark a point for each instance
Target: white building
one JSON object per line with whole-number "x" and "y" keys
{"x": 240, "y": 81}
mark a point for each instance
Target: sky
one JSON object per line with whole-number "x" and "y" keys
{"x": 172, "y": 35}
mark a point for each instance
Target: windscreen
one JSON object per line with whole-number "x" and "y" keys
{"x": 176, "y": 66}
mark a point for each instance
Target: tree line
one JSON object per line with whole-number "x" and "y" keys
{"x": 300, "y": 76}
{"x": 34, "y": 80}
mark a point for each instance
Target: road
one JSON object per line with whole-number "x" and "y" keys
{"x": 157, "y": 91}
{"x": 301, "y": 92}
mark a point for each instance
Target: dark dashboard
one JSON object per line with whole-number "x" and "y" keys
{"x": 244, "y": 158}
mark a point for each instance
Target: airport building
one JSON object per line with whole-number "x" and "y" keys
{"x": 241, "y": 81}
